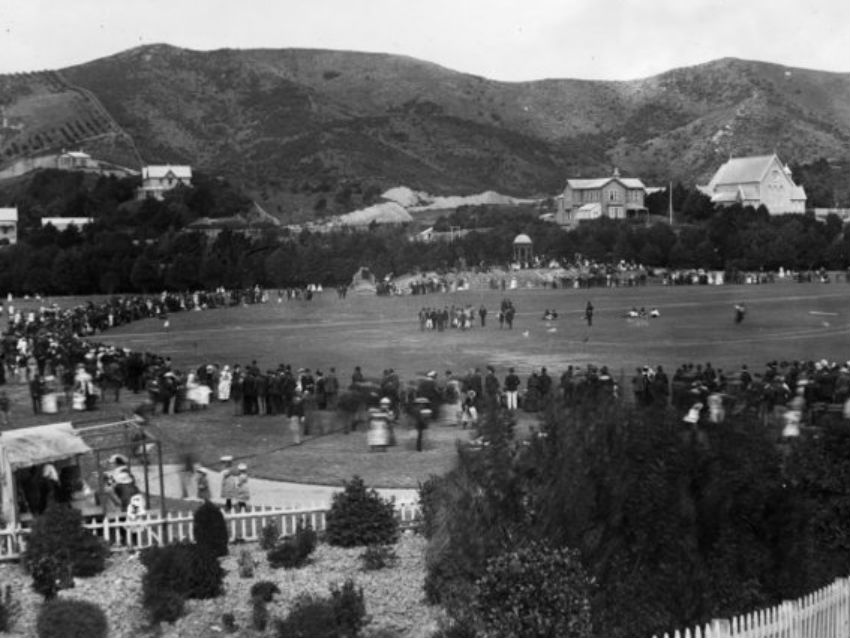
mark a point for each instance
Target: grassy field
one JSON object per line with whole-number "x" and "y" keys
{"x": 785, "y": 321}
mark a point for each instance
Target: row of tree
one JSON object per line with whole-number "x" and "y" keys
{"x": 143, "y": 246}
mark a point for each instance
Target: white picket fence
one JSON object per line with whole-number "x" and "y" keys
{"x": 822, "y": 614}
{"x": 153, "y": 529}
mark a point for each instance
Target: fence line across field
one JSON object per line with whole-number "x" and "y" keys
{"x": 824, "y": 613}
{"x": 154, "y": 529}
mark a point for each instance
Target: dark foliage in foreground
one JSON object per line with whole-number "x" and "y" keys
{"x": 675, "y": 526}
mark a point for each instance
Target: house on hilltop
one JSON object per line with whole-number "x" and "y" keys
{"x": 63, "y": 223}
{"x": 614, "y": 197}
{"x": 156, "y": 180}
{"x": 8, "y": 226}
{"x": 755, "y": 181}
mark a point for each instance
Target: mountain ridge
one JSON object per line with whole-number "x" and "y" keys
{"x": 294, "y": 126}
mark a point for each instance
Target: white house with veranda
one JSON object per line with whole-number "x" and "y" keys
{"x": 755, "y": 181}
{"x": 158, "y": 179}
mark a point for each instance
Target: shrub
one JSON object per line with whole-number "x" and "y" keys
{"x": 259, "y": 615}
{"x": 9, "y": 608}
{"x": 61, "y": 618}
{"x": 361, "y": 517}
{"x": 428, "y": 504}
{"x": 186, "y": 568}
{"x": 228, "y": 622}
{"x": 342, "y": 614}
{"x": 269, "y": 536}
{"x": 45, "y": 572}
{"x": 535, "y": 591}
{"x": 210, "y": 528}
{"x": 294, "y": 551}
{"x": 378, "y": 557}
{"x": 162, "y": 604}
{"x": 174, "y": 573}
{"x": 59, "y": 534}
{"x": 246, "y": 564}
{"x": 264, "y": 590}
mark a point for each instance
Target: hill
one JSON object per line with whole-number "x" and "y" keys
{"x": 296, "y": 126}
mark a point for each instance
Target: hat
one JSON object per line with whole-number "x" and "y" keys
{"x": 432, "y": 374}
{"x": 242, "y": 467}
{"x": 201, "y": 470}
{"x": 118, "y": 459}
{"x": 226, "y": 459}
{"x": 421, "y": 400}
{"x": 385, "y": 401}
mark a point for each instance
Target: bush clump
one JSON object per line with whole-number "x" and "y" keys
{"x": 378, "y": 557}
{"x": 175, "y": 573}
{"x": 429, "y": 504}
{"x": 59, "y": 541}
{"x": 9, "y": 608}
{"x": 66, "y": 618}
{"x": 210, "y": 528}
{"x": 535, "y": 591}
{"x": 246, "y": 564}
{"x": 340, "y": 615}
{"x": 264, "y": 590}
{"x": 360, "y": 517}
{"x": 292, "y": 552}
{"x": 269, "y": 536}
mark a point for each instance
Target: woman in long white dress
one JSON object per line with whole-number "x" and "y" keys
{"x": 224, "y": 382}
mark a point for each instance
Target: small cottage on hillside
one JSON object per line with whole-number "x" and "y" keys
{"x": 8, "y": 226}
{"x": 156, "y": 180}
{"x": 753, "y": 181}
{"x": 614, "y": 197}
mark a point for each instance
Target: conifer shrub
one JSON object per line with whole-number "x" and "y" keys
{"x": 259, "y": 614}
{"x": 9, "y": 608}
{"x": 535, "y": 591}
{"x": 68, "y": 618}
{"x": 246, "y": 564}
{"x": 340, "y": 615}
{"x": 264, "y": 590}
{"x": 378, "y": 557}
{"x": 360, "y": 517}
{"x": 58, "y": 533}
{"x": 210, "y": 528}
{"x": 294, "y": 551}
{"x": 428, "y": 504}
{"x": 175, "y": 573}
{"x": 228, "y": 623}
{"x": 269, "y": 536}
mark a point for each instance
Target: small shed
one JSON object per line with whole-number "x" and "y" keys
{"x": 523, "y": 248}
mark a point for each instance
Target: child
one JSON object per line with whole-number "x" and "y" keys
{"x": 243, "y": 491}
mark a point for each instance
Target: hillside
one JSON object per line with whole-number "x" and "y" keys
{"x": 296, "y": 126}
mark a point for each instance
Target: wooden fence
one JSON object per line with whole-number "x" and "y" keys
{"x": 153, "y": 529}
{"x": 822, "y": 614}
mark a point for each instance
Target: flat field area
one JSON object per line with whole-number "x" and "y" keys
{"x": 784, "y": 321}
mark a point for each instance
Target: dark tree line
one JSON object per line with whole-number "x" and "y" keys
{"x": 142, "y": 246}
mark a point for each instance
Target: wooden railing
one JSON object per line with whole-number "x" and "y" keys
{"x": 153, "y": 529}
{"x": 822, "y": 614}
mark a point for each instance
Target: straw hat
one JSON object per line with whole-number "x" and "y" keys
{"x": 227, "y": 459}
{"x": 242, "y": 467}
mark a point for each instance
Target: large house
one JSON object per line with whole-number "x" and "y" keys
{"x": 8, "y": 226}
{"x": 615, "y": 197}
{"x": 63, "y": 223}
{"x": 756, "y": 181}
{"x": 156, "y": 180}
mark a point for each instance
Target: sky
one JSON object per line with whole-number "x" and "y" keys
{"x": 508, "y": 40}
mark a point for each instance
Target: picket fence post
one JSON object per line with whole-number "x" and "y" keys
{"x": 791, "y": 611}
{"x": 719, "y": 628}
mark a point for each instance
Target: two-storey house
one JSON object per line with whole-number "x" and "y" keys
{"x": 753, "y": 181}
{"x": 614, "y": 197}
{"x": 8, "y": 226}
{"x": 156, "y": 180}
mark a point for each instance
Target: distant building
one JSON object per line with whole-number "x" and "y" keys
{"x": 75, "y": 161}
{"x": 756, "y": 181}
{"x": 8, "y": 226}
{"x": 156, "y": 180}
{"x": 62, "y": 223}
{"x": 614, "y": 197}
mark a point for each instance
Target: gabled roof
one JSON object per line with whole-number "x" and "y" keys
{"x": 160, "y": 171}
{"x": 26, "y": 447}
{"x": 8, "y": 214}
{"x": 593, "y": 184}
{"x": 740, "y": 170}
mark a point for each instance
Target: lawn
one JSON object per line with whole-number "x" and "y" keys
{"x": 784, "y": 321}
